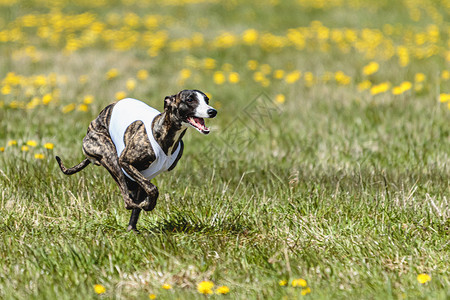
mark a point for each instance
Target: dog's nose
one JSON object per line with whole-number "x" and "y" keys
{"x": 212, "y": 112}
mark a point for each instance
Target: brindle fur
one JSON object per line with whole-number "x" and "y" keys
{"x": 137, "y": 156}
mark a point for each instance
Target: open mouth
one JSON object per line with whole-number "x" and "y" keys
{"x": 199, "y": 124}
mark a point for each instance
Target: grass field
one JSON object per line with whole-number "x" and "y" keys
{"x": 329, "y": 160}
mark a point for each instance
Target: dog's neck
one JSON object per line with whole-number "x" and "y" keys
{"x": 167, "y": 131}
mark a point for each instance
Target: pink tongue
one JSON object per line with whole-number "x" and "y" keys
{"x": 199, "y": 123}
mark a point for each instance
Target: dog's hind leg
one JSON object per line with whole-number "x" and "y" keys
{"x": 99, "y": 147}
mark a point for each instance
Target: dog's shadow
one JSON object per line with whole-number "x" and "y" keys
{"x": 189, "y": 224}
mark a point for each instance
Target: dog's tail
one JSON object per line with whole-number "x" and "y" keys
{"x": 74, "y": 169}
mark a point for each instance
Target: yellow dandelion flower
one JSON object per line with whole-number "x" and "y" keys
{"x": 219, "y": 78}
{"x": 120, "y": 95}
{"x": 364, "y": 85}
{"x": 444, "y": 97}
{"x": 131, "y": 84}
{"x": 299, "y": 282}
{"x": 83, "y": 107}
{"x": 152, "y": 296}
{"x": 423, "y": 278}
{"x": 233, "y": 77}
{"x": 306, "y": 291}
{"x": 6, "y": 90}
{"x": 282, "y": 282}
{"x": 166, "y": 286}
{"x": 12, "y": 143}
{"x": 280, "y": 98}
{"x": 47, "y": 98}
{"x": 205, "y": 287}
{"x": 252, "y": 64}
{"x": 112, "y": 73}
{"x": 32, "y": 143}
{"x": 222, "y": 290}
{"x": 250, "y": 36}
{"x": 99, "y": 289}
{"x": 380, "y": 88}
{"x": 445, "y": 75}
{"x": 24, "y": 148}
{"x": 278, "y": 74}
{"x": 48, "y": 146}
{"x": 68, "y": 108}
{"x": 419, "y": 77}
{"x": 185, "y": 73}
{"x": 209, "y": 63}
{"x": 142, "y": 74}
{"x": 371, "y": 68}
{"x": 88, "y": 99}
{"x": 293, "y": 76}
{"x": 2, "y": 149}
{"x": 39, "y": 156}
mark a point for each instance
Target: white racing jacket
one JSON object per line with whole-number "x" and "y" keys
{"x": 124, "y": 113}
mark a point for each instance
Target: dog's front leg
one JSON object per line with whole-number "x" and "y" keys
{"x": 148, "y": 188}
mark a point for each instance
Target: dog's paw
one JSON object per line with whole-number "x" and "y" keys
{"x": 147, "y": 205}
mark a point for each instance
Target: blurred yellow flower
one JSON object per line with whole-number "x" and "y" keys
{"x": 6, "y": 90}
{"x": 24, "y": 148}
{"x": 444, "y": 97}
{"x": 423, "y": 278}
{"x": 142, "y": 74}
{"x": 209, "y": 63}
{"x": 152, "y": 296}
{"x": 31, "y": 143}
{"x": 306, "y": 291}
{"x": 278, "y": 74}
{"x": 222, "y": 290}
{"x": 445, "y": 75}
{"x": 292, "y": 76}
{"x": 12, "y": 143}
{"x": 282, "y": 282}
{"x": 205, "y": 287}
{"x": 299, "y": 282}
{"x": 403, "y": 87}
{"x": 366, "y": 84}
{"x": 131, "y": 84}
{"x": 99, "y": 289}
{"x": 233, "y": 77}
{"x": 252, "y": 64}
{"x": 219, "y": 77}
{"x": 83, "y": 79}
{"x": 47, "y": 98}
{"x": 250, "y": 36}
{"x": 185, "y": 73}
{"x": 120, "y": 95}
{"x": 265, "y": 69}
{"x": 380, "y": 88}
{"x": 166, "y": 286}
{"x": 39, "y": 156}
{"x": 419, "y": 77}
{"x": 280, "y": 98}
{"x": 83, "y": 107}
{"x": 112, "y": 73}
{"x": 88, "y": 99}
{"x": 371, "y": 68}
{"x": 48, "y": 146}
{"x": 2, "y": 149}
{"x": 68, "y": 108}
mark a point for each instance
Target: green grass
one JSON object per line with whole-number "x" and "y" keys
{"x": 347, "y": 190}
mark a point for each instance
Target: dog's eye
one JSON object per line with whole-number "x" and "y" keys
{"x": 189, "y": 99}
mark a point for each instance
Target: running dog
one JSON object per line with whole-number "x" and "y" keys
{"x": 136, "y": 142}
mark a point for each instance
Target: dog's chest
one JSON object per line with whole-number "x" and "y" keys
{"x": 128, "y": 111}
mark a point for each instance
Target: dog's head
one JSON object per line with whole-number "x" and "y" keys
{"x": 190, "y": 107}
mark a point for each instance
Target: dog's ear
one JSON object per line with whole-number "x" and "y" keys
{"x": 168, "y": 101}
